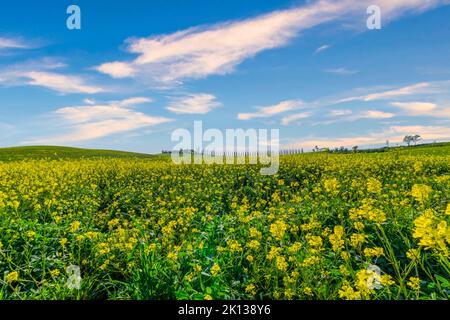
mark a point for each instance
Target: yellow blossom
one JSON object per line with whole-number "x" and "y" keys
{"x": 12, "y": 277}
{"x": 332, "y": 186}
{"x": 278, "y": 229}
{"x": 63, "y": 241}
{"x": 75, "y": 226}
{"x": 251, "y": 289}
{"x": 281, "y": 263}
{"x": 414, "y": 283}
{"x": 54, "y": 273}
{"x": 421, "y": 192}
{"x": 215, "y": 269}
{"x": 374, "y": 185}
{"x": 373, "y": 252}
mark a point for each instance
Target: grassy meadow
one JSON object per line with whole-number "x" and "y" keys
{"x": 327, "y": 226}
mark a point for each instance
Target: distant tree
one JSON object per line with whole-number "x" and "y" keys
{"x": 412, "y": 139}
{"x": 416, "y": 138}
{"x": 355, "y": 149}
{"x": 408, "y": 140}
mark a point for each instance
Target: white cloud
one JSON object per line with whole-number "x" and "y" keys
{"x": 200, "y": 103}
{"x": 393, "y": 134}
{"x": 373, "y": 114}
{"x": 89, "y": 101}
{"x": 295, "y": 117}
{"x": 418, "y": 108}
{"x": 218, "y": 49}
{"x": 269, "y": 111}
{"x": 13, "y": 43}
{"x": 422, "y": 109}
{"x": 96, "y": 121}
{"x": 134, "y": 101}
{"x": 418, "y": 88}
{"x": 61, "y": 83}
{"x": 349, "y": 115}
{"x": 427, "y": 132}
{"x": 340, "y": 112}
{"x": 323, "y": 48}
{"x": 341, "y": 71}
{"x": 42, "y": 73}
{"x": 117, "y": 69}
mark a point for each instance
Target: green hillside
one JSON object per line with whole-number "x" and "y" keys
{"x": 50, "y": 152}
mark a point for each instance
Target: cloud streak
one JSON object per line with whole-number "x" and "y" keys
{"x": 270, "y": 111}
{"x": 200, "y": 103}
{"x": 323, "y": 48}
{"x": 85, "y": 123}
{"x": 42, "y": 73}
{"x": 61, "y": 83}
{"x": 341, "y": 71}
{"x": 14, "y": 43}
{"x": 394, "y": 134}
{"x": 216, "y": 50}
{"x": 295, "y": 118}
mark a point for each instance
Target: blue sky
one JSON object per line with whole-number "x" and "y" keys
{"x": 137, "y": 70}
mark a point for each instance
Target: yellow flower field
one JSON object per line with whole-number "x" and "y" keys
{"x": 354, "y": 226}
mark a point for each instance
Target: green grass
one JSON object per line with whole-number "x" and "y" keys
{"x": 55, "y": 152}
{"x": 442, "y": 148}
{"x": 51, "y": 152}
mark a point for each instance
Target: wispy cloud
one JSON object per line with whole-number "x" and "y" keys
{"x": 216, "y": 50}
{"x": 372, "y": 114}
{"x": 43, "y": 73}
{"x": 61, "y": 83}
{"x": 295, "y": 118}
{"x": 341, "y": 71}
{"x": 423, "y": 109}
{"x": 323, "y": 48}
{"x": 343, "y": 115}
{"x": 14, "y": 43}
{"x": 117, "y": 69}
{"x": 269, "y": 111}
{"x": 393, "y": 134}
{"x": 418, "y": 88}
{"x": 200, "y": 103}
{"x": 91, "y": 122}
{"x": 416, "y": 108}
{"x": 340, "y": 112}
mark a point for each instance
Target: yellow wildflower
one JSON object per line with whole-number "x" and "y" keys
{"x": 215, "y": 269}
{"x": 75, "y": 226}
{"x": 421, "y": 192}
{"x": 63, "y": 241}
{"x": 251, "y": 289}
{"x": 332, "y": 186}
{"x": 54, "y": 273}
{"x": 374, "y": 185}
{"x": 12, "y": 277}
{"x": 414, "y": 283}
{"x": 281, "y": 263}
{"x": 278, "y": 229}
{"x": 373, "y": 252}
{"x": 348, "y": 293}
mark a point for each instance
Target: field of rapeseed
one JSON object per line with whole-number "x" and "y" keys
{"x": 354, "y": 226}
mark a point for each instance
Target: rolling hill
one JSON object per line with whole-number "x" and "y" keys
{"x": 52, "y": 152}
